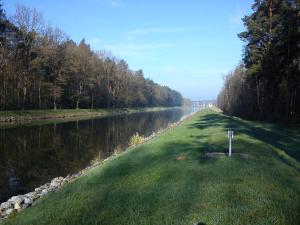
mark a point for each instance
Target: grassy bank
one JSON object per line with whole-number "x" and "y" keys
{"x": 171, "y": 180}
{"x": 36, "y": 115}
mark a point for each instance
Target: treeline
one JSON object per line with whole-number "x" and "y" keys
{"x": 266, "y": 85}
{"x": 40, "y": 68}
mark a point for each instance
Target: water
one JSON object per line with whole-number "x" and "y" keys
{"x": 32, "y": 155}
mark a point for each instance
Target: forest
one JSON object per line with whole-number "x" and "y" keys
{"x": 266, "y": 84}
{"x": 41, "y": 68}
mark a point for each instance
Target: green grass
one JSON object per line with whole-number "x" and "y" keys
{"x": 23, "y": 116}
{"x": 71, "y": 111}
{"x": 168, "y": 180}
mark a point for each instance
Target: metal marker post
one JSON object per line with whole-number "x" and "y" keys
{"x": 230, "y": 137}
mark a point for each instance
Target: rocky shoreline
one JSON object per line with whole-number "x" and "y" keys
{"x": 20, "y": 202}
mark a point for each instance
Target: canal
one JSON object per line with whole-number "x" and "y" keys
{"x": 31, "y": 155}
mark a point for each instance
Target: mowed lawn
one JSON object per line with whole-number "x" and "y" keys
{"x": 170, "y": 180}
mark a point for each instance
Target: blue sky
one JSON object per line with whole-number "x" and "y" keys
{"x": 187, "y": 45}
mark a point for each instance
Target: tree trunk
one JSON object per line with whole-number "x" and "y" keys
{"x": 24, "y": 96}
{"x": 4, "y": 94}
{"x": 18, "y": 99}
{"x": 92, "y": 101}
{"x": 77, "y": 103}
{"x": 54, "y": 96}
{"x": 269, "y": 5}
{"x": 40, "y": 99}
{"x": 258, "y": 97}
{"x": 127, "y": 94}
{"x": 78, "y": 96}
{"x": 54, "y": 103}
{"x": 18, "y": 92}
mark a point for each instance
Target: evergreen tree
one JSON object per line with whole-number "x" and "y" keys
{"x": 2, "y": 12}
{"x": 271, "y": 59}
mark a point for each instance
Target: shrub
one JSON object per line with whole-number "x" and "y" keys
{"x": 136, "y": 139}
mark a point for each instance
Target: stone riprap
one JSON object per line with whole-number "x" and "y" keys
{"x": 18, "y": 203}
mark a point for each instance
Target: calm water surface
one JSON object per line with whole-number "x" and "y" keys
{"x": 32, "y": 155}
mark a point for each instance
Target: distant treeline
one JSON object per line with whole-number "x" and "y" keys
{"x": 40, "y": 68}
{"x": 266, "y": 85}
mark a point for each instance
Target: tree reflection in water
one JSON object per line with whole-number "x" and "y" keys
{"x": 32, "y": 155}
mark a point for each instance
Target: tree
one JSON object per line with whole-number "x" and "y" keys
{"x": 271, "y": 59}
{"x": 2, "y": 12}
{"x": 29, "y": 22}
{"x": 42, "y": 68}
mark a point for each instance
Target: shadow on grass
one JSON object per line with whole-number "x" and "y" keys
{"x": 286, "y": 139}
{"x": 174, "y": 193}
{"x": 146, "y": 185}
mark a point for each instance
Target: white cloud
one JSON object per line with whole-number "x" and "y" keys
{"x": 116, "y": 3}
{"x": 131, "y": 49}
{"x": 128, "y": 49}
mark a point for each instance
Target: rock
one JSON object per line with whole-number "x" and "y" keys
{"x": 52, "y": 188}
{"x": 18, "y": 203}
{"x": 64, "y": 181}
{"x": 17, "y": 206}
{"x": 9, "y": 211}
{"x": 28, "y": 200}
{"x": 45, "y": 186}
{"x": 55, "y": 182}
{"x": 6, "y": 205}
{"x": 44, "y": 192}
{"x": 72, "y": 177}
{"x": 25, "y": 205}
{"x": 32, "y": 195}
{"x": 16, "y": 200}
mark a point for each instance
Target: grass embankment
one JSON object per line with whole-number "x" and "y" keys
{"x": 36, "y": 115}
{"x": 169, "y": 180}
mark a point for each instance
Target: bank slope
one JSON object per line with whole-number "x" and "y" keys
{"x": 172, "y": 180}
{"x": 22, "y": 116}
